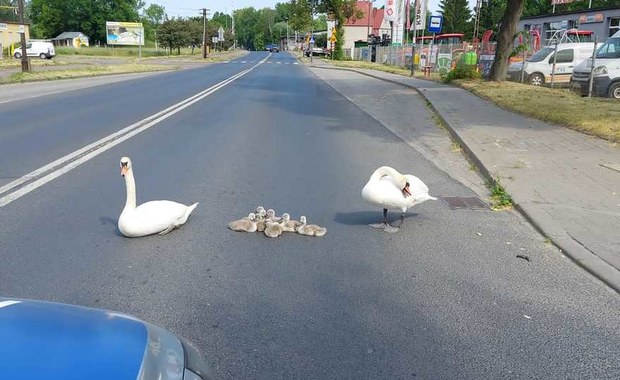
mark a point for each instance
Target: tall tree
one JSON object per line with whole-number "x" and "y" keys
{"x": 153, "y": 16}
{"x": 340, "y": 10}
{"x": 491, "y": 12}
{"x": 8, "y": 14}
{"x": 174, "y": 34}
{"x": 456, "y": 17}
{"x": 505, "y": 39}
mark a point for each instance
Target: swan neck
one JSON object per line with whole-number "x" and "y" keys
{"x": 131, "y": 190}
{"x": 385, "y": 170}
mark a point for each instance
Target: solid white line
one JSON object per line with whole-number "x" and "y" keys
{"x": 90, "y": 151}
{"x": 8, "y": 303}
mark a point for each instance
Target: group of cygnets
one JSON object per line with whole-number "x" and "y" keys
{"x": 273, "y": 226}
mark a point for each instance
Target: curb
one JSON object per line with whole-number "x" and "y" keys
{"x": 580, "y": 255}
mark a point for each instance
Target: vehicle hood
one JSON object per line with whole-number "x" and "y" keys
{"x": 516, "y": 66}
{"x": 44, "y": 340}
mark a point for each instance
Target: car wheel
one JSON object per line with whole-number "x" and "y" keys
{"x": 42, "y": 56}
{"x": 614, "y": 90}
{"x": 17, "y": 55}
{"x": 536, "y": 79}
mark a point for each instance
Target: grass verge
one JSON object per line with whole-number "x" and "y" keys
{"x": 500, "y": 199}
{"x": 83, "y": 72}
{"x": 595, "y": 116}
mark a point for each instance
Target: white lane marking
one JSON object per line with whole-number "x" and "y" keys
{"x": 279, "y": 63}
{"x": 244, "y": 61}
{"x": 8, "y": 303}
{"x": 80, "y": 156}
{"x": 295, "y": 63}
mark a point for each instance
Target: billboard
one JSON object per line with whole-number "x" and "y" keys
{"x": 124, "y": 33}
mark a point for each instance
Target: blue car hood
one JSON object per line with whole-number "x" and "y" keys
{"x": 43, "y": 340}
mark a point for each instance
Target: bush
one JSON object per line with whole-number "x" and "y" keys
{"x": 461, "y": 72}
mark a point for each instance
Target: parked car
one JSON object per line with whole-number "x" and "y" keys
{"x": 46, "y": 340}
{"x": 606, "y": 74}
{"x": 41, "y": 49}
{"x": 317, "y": 51}
{"x": 538, "y": 67}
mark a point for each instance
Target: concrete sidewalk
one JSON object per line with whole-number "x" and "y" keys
{"x": 566, "y": 183}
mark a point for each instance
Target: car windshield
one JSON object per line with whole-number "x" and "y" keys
{"x": 610, "y": 49}
{"x": 540, "y": 55}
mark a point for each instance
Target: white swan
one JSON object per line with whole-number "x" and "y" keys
{"x": 390, "y": 190}
{"x": 155, "y": 217}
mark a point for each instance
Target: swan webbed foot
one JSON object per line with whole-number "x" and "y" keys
{"x": 391, "y": 229}
{"x": 379, "y": 226}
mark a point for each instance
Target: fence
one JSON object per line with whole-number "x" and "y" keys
{"x": 440, "y": 57}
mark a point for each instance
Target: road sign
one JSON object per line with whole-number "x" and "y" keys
{"x": 312, "y": 40}
{"x": 220, "y": 34}
{"x": 435, "y": 23}
{"x": 332, "y": 39}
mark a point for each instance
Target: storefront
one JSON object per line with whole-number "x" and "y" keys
{"x": 603, "y": 22}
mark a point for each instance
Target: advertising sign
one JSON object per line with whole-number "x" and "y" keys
{"x": 420, "y": 15}
{"x": 124, "y": 33}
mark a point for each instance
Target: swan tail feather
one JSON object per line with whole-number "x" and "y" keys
{"x": 188, "y": 212}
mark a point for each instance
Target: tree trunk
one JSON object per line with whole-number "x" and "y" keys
{"x": 505, "y": 39}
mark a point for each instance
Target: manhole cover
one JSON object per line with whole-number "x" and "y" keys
{"x": 469, "y": 203}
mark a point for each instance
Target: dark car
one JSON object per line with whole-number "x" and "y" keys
{"x": 46, "y": 340}
{"x": 273, "y": 48}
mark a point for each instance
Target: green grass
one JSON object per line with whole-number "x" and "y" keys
{"x": 118, "y": 51}
{"x": 83, "y": 72}
{"x": 500, "y": 199}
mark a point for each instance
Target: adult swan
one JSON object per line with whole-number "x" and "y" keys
{"x": 155, "y": 217}
{"x": 389, "y": 189}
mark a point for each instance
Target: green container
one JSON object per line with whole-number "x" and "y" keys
{"x": 470, "y": 58}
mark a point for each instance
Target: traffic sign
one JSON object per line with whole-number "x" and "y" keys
{"x": 435, "y": 23}
{"x": 332, "y": 39}
{"x": 220, "y": 34}
{"x": 312, "y": 40}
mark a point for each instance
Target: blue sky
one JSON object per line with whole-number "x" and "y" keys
{"x": 187, "y": 8}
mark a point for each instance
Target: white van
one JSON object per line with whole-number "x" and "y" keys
{"x": 539, "y": 66}
{"x": 606, "y": 81}
{"x": 39, "y": 49}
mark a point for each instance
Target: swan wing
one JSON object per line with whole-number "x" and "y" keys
{"x": 152, "y": 217}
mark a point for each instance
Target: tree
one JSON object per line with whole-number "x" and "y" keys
{"x": 245, "y": 22}
{"x": 7, "y": 14}
{"x": 505, "y": 39}
{"x": 153, "y": 17}
{"x": 52, "y": 17}
{"x": 491, "y": 12}
{"x": 341, "y": 10}
{"x": 456, "y": 17}
{"x": 173, "y": 34}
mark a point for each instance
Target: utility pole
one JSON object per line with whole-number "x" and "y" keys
{"x": 22, "y": 22}
{"x": 204, "y": 33}
{"x": 233, "y": 30}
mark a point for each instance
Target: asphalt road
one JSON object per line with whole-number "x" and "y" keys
{"x": 445, "y": 297}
